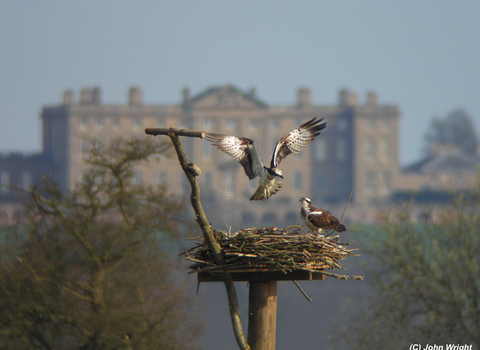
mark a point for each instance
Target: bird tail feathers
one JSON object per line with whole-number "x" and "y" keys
{"x": 262, "y": 193}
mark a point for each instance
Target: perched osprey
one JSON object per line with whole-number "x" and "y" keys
{"x": 318, "y": 219}
{"x": 245, "y": 152}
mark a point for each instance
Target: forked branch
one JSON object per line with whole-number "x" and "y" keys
{"x": 204, "y": 224}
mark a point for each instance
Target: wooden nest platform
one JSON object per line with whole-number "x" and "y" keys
{"x": 270, "y": 253}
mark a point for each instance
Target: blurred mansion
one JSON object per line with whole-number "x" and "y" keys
{"x": 358, "y": 150}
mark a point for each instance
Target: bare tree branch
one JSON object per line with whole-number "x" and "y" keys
{"x": 204, "y": 224}
{"x": 178, "y": 132}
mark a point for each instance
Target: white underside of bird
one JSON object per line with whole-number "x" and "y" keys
{"x": 309, "y": 224}
{"x": 267, "y": 187}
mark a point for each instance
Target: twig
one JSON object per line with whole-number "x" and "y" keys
{"x": 303, "y": 292}
{"x": 200, "y": 261}
{"x": 344, "y": 210}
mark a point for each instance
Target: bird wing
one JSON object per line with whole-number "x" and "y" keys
{"x": 325, "y": 220}
{"x": 296, "y": 140}
{"x": 241, "y": 149}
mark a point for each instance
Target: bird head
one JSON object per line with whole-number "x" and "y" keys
{"x": 305, "y": 201}
{"x": 275, "y": 172}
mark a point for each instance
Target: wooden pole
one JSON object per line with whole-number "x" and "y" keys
{"x": 262, "y": 315}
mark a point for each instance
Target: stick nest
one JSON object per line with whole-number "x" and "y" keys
{"x": 272, "y": 248}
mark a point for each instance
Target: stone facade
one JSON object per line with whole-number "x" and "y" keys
{"x": 358, "y": 149}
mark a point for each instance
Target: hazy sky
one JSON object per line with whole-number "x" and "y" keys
{"x": 423, "y": 56}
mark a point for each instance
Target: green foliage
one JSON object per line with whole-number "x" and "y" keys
{"x": 91, "y": 269}
{"x": 425, "y": 281}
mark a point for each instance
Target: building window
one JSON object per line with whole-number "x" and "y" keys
{"x": 343, "y": 180}
{"x": 370, "y": 148}
{"x": 207, "y": 124}
{"x": 297, "y": 180}
{"x": 251, "y": 184}
{"x": 161, "y": 178}
{"x": 182, "y": 124}
{"x": 207, "y": 151}
{"x": 385, "y": 181}
{"x": 82, "y": 177}
{"x": 385, "y": 124}
{"x": 341, "y": 150}
{"x": 321, "y": 179}
{"x": 5, "y": 182}
{"x": 384, "y": 150}
{"x": 253, "y": 123}
{"x": 459, "y": 179}
{"x": 229, "y": 183}
{"x": 207, "y": 181}
{"x": 320, "y": 149}
{"x": 370, "y": 123}
{"x": 297, "y": 122}
{"x": 369, "y": 181}
{"x": 180, "y": 176}
{"x": 275, "y": 123}
{"x": 99, "y": 122}
{"x": 116, "y": 122}
{"x": 85, "y": 148}
{"x": 26, "y": 180}
{"x": 185, "y": 183}
{"x": 230, "y": 123}
{"x": 83, "y": 122}
{"x": 137, "y": 178}
{"x": 444, "y": 178}
{"x": 342, "y": 124}
{"x": 137, "y": 122}
{"x": 99, "y": 180}
{"x": 161, "y": 122}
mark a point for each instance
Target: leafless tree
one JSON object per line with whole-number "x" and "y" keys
{"x": 91, "y": 269}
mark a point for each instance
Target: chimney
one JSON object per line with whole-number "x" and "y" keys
{"x": 347, "y": 98}
{"x": 96, "y": 98}
{"x": 372, "y": 99}
{"x": 68, "y": 98}
{"x": 186, "y": 95}
{"x": 252, "y": 92}
{"x": 304, "y": 97}
{"x": 135, "y": 96}
{"x": 90, "y": 96}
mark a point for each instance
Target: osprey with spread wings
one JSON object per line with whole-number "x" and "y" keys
{"x": 245, "y": 152}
